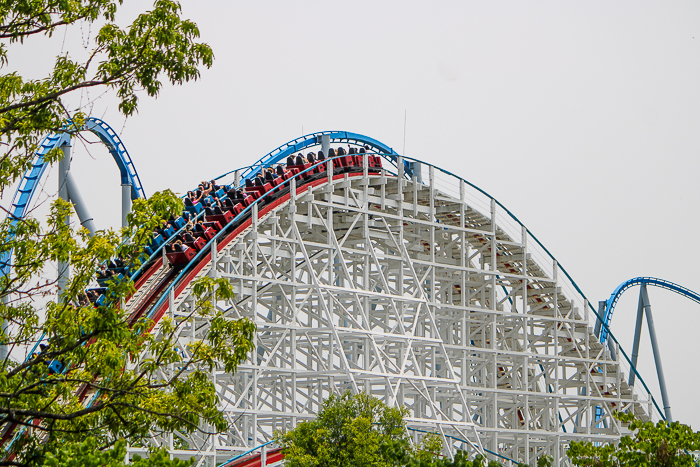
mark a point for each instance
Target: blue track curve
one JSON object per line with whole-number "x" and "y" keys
{"x": 281, "y": 153}
{"x": 121, "y": 156}
{"x": 30, "y": 182}
{"x": 615, "y": 297}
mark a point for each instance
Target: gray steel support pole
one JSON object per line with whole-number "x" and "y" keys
{"x": 637, "y": 336}
{"x": 325, "y": 144}
{"x": 74, "y": 196}
{"x": 657, "y": 355}
{"x": 126, "y": 202}
{"x": 63, "y": 168}
{"x": 601, "y": 314}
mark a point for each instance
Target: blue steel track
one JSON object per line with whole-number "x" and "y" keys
{"x": 297, "y": 145}
{"x": 29, "y": 185}
{"x": 615, "y": 297}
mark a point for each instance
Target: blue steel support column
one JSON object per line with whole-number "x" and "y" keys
{"x": 657, "y": 355}
{"x": 63, "y": 168}
{"x": 637, "y": 335}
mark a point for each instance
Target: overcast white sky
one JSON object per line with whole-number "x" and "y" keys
{"x": 580, "y": 117}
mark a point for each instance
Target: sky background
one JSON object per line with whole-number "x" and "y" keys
{"x": 580, "y": 117}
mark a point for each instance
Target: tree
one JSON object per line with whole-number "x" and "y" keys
{"x": 158, "y": 44}
{"x": 361, "y": 431}
{"x": 662, "y": 444}
{"x": 109, "y": 384}
{"x": 96, "y": 383}
{"x": 349, "y": 430}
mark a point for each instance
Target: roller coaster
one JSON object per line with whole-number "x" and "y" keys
{"x": 372, "y": 272}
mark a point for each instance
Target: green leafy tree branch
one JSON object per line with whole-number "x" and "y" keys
{"x": 159, "y": 45}
{"x": 360, "y": 430}
{"x": 662, "y": 444}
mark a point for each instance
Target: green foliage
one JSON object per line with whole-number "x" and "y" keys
{"x": 145, "y": 217}
{"x": 662, "y": 444}
{"x": 113, "y": 390}
{"x": 98, "y": 344}
{"x": 88, "y": 454}
{"x": 404, "y": 456}
{"x": 359, "y": 431}
{"x": 350, "y": 430}
{"x": 157, "y": 46}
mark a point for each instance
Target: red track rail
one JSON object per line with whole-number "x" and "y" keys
{"x": 255, "y": 459}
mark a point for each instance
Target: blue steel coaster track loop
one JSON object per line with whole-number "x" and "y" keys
{"x": 615, "y": 297}
{"x": 30, "y": 182}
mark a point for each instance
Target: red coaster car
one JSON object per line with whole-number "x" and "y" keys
{"x": 222, "y": 219}
{"x": 260, "y": 190}
{"x": 178, "y": 258}
{"x": 300, "y": 168}
{"x": 207, "y": 234}
{"x": 198, "y": 244}
{"x": 214, "y": 225}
